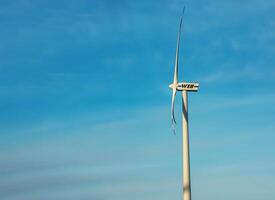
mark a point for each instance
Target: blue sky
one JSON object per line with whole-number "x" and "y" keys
{"x": 85, "y": 102}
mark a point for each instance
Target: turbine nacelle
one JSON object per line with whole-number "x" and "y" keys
{"x": 192, "y": 87}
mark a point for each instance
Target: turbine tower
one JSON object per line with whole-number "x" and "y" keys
{"x": 184, "y": 87}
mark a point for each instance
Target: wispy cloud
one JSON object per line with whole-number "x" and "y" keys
{"x": 82, "y": 161}
{"x": 245, "y": 73}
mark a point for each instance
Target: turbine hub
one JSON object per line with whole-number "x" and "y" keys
{"x": 172, "y": 86}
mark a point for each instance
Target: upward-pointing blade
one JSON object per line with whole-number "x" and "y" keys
{"x": 175, "y": 81}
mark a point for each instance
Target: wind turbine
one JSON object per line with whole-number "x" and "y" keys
{"x": 184, "y": 87}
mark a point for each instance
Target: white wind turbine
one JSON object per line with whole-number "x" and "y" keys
{"x": 184, "y": 87}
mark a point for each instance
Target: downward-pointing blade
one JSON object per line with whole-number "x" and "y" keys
{"x": 172, "y": 110}
{"x": 173, "y": 106}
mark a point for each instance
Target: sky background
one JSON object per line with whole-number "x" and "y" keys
{"x": 84, "y": 99}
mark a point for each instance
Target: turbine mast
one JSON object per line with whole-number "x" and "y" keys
{"x": 185, "y": 148}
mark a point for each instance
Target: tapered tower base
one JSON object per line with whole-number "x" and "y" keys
{"x": 185, "y": 148}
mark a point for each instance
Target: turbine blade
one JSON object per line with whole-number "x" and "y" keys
{"x": 184, "y": 111}
{"x": 177, "y": 50}
{"x": 172, "y": 110}
{"x": 173, "y": 106}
